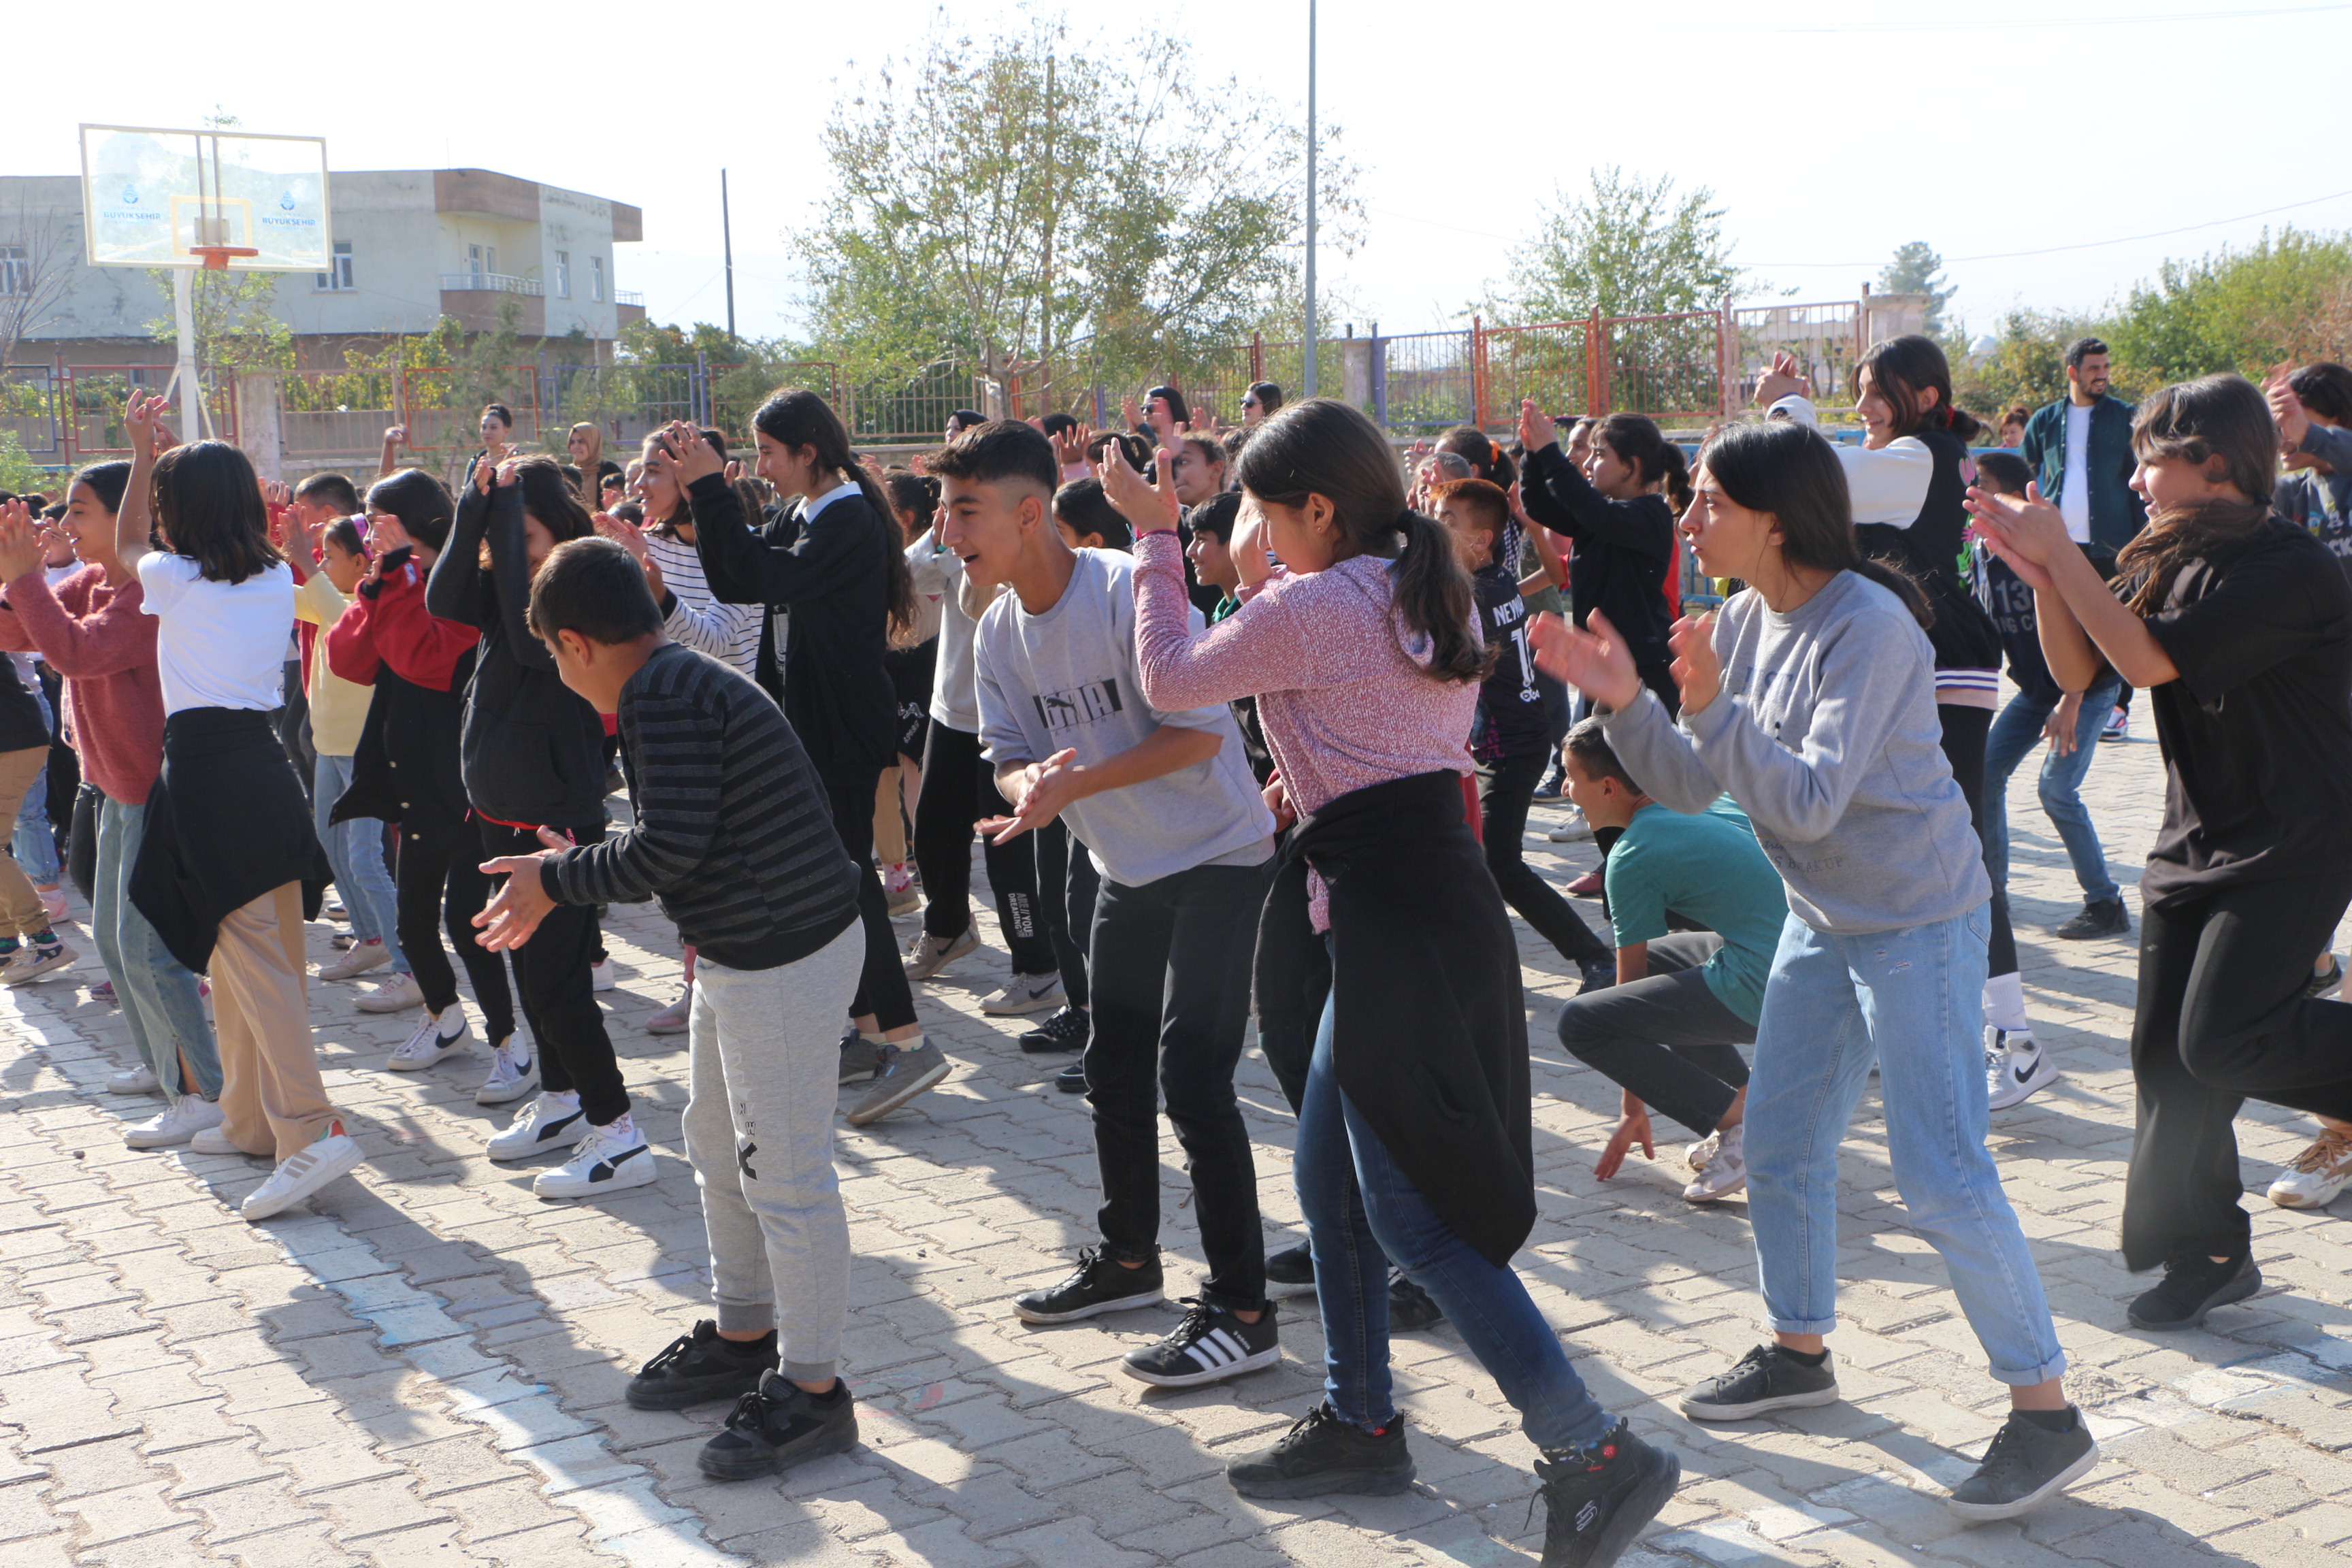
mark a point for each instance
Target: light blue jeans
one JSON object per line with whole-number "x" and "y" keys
{"x": 159, "y": 997}
{"x": 1913, "y": 1000}
{"x": 33, "y": 841}
{"x": 355, "y": 852}
{"x": 2015, "y": 733}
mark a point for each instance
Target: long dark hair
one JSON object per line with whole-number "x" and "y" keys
{"x": 1637, "y": 440}
{"x": 1902, "y": 369}
{"x": 801, "y": 418}
{"x": 207, "y": 502}
{"x": 418, "y": 500}
{"x": 548, "y": 496}
{"x": 1791, "y": 471}
{"x": 2196, "y": 421}
{"x": 107, "y": 482}
{"x": 667, "y": 526}
{"x": 1323, "y": 447}
{"x": 916, "y": 495}
{"x": 1487, "y": 461}
{"x": 1177, "y": 409}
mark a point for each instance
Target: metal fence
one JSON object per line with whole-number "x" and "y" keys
{"x": 64, "y": 414}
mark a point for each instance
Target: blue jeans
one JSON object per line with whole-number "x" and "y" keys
{"x": 2014, "y": 735}
{"x": 355, "y": 852}
{"x": 1361, "y": 1212}
{"x": 32, "y": 842}
{"x": 1913, "y": 1000}
{"x": 159, "y": 997}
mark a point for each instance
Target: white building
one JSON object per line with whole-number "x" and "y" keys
{"x": 410, "y": 246}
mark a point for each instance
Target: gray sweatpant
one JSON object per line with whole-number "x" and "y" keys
{"x": 764, "y": 1065}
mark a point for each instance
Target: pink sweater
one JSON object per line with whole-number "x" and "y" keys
{"x": 94, "y": 636}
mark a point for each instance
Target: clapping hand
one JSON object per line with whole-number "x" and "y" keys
{"x": 144, "y": 418}
{"x": 1536, "y": 429}
{"x": 22, "y": 552}
{"x": 1046, "y": 788}
{"x": 1149, "y": 505}
{"x": 1697, "y": 669}
{"x": 1781, "y": 381}
{"x": 1070, "y": 446}
{"x": 2025, "y": 530}
{"x": 1593, "y": 658}
{"x": 632, "y": 538}
{"x": 683, "y": 455}
{"x": 2286, "y": 408}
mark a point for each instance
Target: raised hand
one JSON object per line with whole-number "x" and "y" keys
{"x": 142, "y": 417}
{"x": 2027, "y": 531}
{"x": 2294, "y": 422}
{"x": 395, "y": 436}
{"x": 1593, "y": 658}
{"x": 1535, "y": 426}
{"x": 1146, "y": 504}
{"x": 1780, "y": 380}
{"x": 22, "y": 552}
{"x": 1698, "y": 670}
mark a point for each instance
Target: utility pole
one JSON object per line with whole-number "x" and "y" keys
{"x": 727, "y": 240}
{"x": 1311, "y": 159}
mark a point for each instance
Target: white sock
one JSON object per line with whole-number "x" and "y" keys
{"x": 567, "y": 1102}
{"x": 2004, "y": 1003}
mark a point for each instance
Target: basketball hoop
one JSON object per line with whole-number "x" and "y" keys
{"x": 216, "y": 256}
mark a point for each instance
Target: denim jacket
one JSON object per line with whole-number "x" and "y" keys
{"x": 2321, "y": 502}
{"x": 2117, "y": 511}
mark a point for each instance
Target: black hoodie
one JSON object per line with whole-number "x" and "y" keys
{"x": 1624, "y": 552}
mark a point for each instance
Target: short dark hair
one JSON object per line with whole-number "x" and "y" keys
{"x": 593, "y": 587}
{"x": 963, "y": 419}
{"x": 344, "y": 535}
{"x": 1482, "y": 496}
{"x": 999, "y": 449}
{"x": 502, "y": 410}
{"x": 1082, "y": 504}
{"x": 1217, "y": 516}
{"x": 1055, "y": 423}
{"x": 2004, "y": 472}
{"x": 207, "y": 502}
{"x": 2082, "y": 349}
{"x": 332, "y": 492}
{"x": 2325, "y": 389}
{"x": 419, "y": 500}
{"x": 1211, "y": 451}
{"x": 1588, "y": 742}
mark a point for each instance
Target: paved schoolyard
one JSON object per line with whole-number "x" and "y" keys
{"x": 423, "y": 1366}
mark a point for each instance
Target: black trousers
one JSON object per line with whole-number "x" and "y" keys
{"x": 959, "y": 789}
{"x": 1172, "y": 983}
{"x": 1666, "y": 1038}
{"x": 882, "y": 988}
{"x": 293, "y": 722}
{"x": 2222, "y": 1018}
{"x": 1503, "y": 794}
{"x": 438, "y": 885}
{"x": 1067, "y": 887}
{"x": 1965, "y": 730}
{"x": 558, "y": 999}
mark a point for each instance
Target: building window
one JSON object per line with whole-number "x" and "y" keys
{"x": 596, "y": 278}
{"x": 338, "y": 276}
{"x": 563, "y": 275}
{"x": 15, "y": 270}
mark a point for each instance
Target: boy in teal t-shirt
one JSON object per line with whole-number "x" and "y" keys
{"x": 1668, "y": 1032}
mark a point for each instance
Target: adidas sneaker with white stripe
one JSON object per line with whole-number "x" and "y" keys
{"x": 1210, "y": 1345}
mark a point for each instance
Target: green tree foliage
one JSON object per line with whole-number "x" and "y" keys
{"x": 2027, "y": 366}
{"x": 236, "y": 329}
{"x": 2236, "y": 309}
{"x": 1917, "y": 270}
{"x": 1018, "y": 200}
{"x": 1626, "y": 247}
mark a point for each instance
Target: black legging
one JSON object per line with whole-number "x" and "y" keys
{"x": 559, "y": 998}
{"x": 882, "y": 988}
{"x": 1503, "y": 793}
{"x": 959, "y": 789}
{"x": 438, "y": 877}
{"x": 1964, "y": 747}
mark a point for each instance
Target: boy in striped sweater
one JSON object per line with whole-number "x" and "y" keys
{"x": 734, "y": 837}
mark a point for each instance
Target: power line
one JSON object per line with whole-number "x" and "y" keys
{"x": 2024, "y": 25}
{"x": 2084, "y": 244}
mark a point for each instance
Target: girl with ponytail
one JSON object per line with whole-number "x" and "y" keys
{"x": 1414, "y": 1140}
{"x": 1811, "y": 698}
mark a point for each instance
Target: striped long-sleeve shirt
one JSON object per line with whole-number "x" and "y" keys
{"x": 732, "y": 833}
{"x": 727, "y": 633}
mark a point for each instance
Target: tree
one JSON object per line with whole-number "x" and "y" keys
{"x": 1917, "y": 270}
{"x": 2236, "y": 309}
{"x": 1624, "y": 248}
{"x": 2027, "y": 365}
{"x": 1027, "y": 206}
{"x": 37, "y": 280}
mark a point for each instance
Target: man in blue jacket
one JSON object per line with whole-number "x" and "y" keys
{"x": 2081, "y": 450}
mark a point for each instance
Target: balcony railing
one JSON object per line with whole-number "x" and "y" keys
{"x": 628, "y": 297}
{"x": 492, "y": 282}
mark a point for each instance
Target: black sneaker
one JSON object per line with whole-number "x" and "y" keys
{"x": 777, "y": 1425}
{"x": 1210, "y": 1345}
{"x": 1100, "y": 1285}
{"x": 1600, "y": 973}
{"x": 1072, "y": 1079}
{"x": 2107, "y": 917}
{"x": 1410, "y": 1306}
{"x": 1598, "y": 1497}
{"x": 2321, "y": 984}
{"x": 699, "y": 1367}
{"x": 2027, "y": 1463}
{"x": 1766, "y": 1379}
{"x": 1067, "y": 1030}
{"x": 1321, "y": 1454}
{"x": 2193, "y": 1286}
{"x": 1291, "y": 1271}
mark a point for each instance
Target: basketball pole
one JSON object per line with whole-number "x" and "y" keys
{"x": 183, "y": 309}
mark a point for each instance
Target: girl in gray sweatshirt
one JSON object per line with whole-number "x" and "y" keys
{"x": 1812, "y": 699}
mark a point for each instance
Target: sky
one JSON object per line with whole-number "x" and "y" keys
{"x": 2053, "y": 154}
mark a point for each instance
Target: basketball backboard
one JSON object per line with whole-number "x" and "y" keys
{"x": 159, "y": 198}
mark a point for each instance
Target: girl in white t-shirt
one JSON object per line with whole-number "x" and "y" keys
{"x": 229, "y": 840}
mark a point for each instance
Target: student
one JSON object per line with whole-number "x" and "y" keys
{"x": 1165, "y": 804}
{"x": 830, "y": 567}
{"x": 2071, "y": 720}
{"x": 1200, "y": 470}
{"x": 338, "y": 709}
{"x": 408, "y": 769}
{"x": 89, "y": 627}
{"x": 585, "y": 442}
{"x": 912, "y": 660}
{"x": 533, "y": 756}
{"x": 1810, "y": 697}
{"x": 734, "y": 837}
{"x": 1261, "y": 402}
{"x": 2241, "y": 627}
{"x": 1668, "y": 1031}
{"x": 315, "y": 501}
{"x": 228, "y": 842}
{"x": 1414, "y": 1140}
{"x": 30, "y": 948}
{"x": 1508, "y": 739}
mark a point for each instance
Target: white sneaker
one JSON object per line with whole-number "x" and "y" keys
{"x": 2317, "y": 1175}
{"x": 53, "y": 902}
{"x": 178, "y": 1123}
{"x": 336, "y": 1155}
{"x": 2016, "y": 1067}
{"x": 1026, "y": 994}
{"x": 430, "y": 1045}
{"x": 603, "y": 1163}
{"x": 1719, "y": 1164}
{"x": 31, "y": 962}
{"x": 212, "y": 1140}
{"x": 1575, "y": 831}
{"x": 138, "y": 1080}
{"x": 547, "y": 1125}
{"x": 600, "y": 976}
{"x": 361, "y": 957}
{"x": 513, "y": 1074}
{"x": 394, "y": 994}
{"x": 675, "y": 1018}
